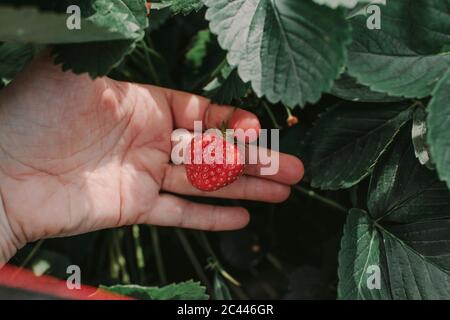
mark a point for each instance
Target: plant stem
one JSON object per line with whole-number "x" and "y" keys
{"x": 158, "y": 255}
{"x": 114, "y": 265}
{"x": 33, "y": 252}
{"x": 275, "y": 262}
{"x": 150, "y": 50}
{"x": 150, "y": 65}
{"x": 30, "y": 256}
{"x": 217, "y": 70}
{"x": 121, "y": 261}
{"x": 204, "y": 241}
{"x": 130, "y": 255}
{"x": 271, "y": 115}
{"x": 288, "y": 111}
{"x": 140, "y": 261}
{"x": 318, "y": 197}
{"x": 193, "y": 258}
{"x": 216, "y": 263}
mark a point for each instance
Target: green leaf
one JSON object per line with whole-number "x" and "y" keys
{"x": 99, "y": 58}
{"x": 13, "y": 57}
{"x": 419, "y": 266}
{"x": 346, "y": 87}
{"x": 226, "y": 86}
{"x": 405, "y": 57}
{"x": 438, "y": 125}
{"x": 290, "y": 50}
{"x": 188, "y": 290}
{"x": 199, "y": 49}
{"x": 160, "y": 5}
{"x": 360, "y": 249}
{"x": 402, "y": 190}
{"x": 415, "y": 249}
{"x": 362, "y": 7}
{"x": 343, "y": 3}
{"x": 419, "y": 137}
{"x": 184, "y": 6}
{"x": 414, "y": 259}
{"x": 347, "y": 141}
{"x": 29, "y": 24}
{"x": 203, "y": 60}
{"x": 431, "y": 239}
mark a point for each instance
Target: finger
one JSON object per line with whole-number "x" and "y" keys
{"x": 176, "y": 212}
{"x": 187, "y": 108}
{"x": 285, "y": 168}
{"x": 245, "y": 188}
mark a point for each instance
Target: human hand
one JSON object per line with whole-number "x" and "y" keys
{"x": 78, "y": 155}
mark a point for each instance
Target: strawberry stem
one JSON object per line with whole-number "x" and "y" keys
{"x": 271, "y": 115}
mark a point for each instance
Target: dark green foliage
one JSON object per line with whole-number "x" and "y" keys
{"x": 188, "y": 290}
{"x": 374, "y": 133}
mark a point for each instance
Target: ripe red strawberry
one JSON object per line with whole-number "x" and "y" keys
{"x": 214, "y": 162}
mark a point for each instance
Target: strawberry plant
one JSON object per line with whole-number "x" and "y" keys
{"x": 366, "y": 108}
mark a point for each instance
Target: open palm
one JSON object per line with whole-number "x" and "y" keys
{"x": 78, "y": 155}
